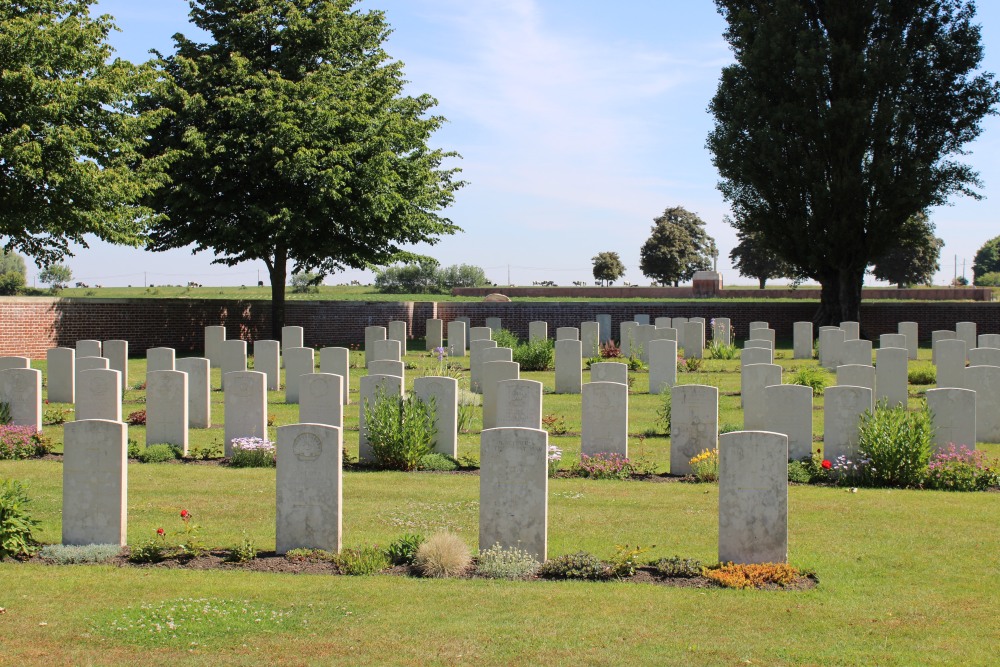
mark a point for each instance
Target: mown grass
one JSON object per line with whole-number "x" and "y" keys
{"x": 906, "y": 577}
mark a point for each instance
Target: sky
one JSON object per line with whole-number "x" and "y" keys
{"x": 577, "y": 126}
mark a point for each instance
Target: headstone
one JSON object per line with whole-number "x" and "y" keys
{"x": 985, "y": 381}
{"x": 694, "y": 424}
{"x": 678, "y": 323}
{"x": 337, "y": 361}
{"x": 935, "y": 337}
{"x": 387, "y": 367}
{"x": 694, "y": 337}
{"x": 60, "y": 363}
{"x": 480, "y": 333}
{"x": 567, "y": 333}
{"x": 758, "y": 325}
{"x": 590, "y": 337}
{"x": 456, "y": 339}
{"x": 519, "y": 404}
{"x": 852, "y": 330}
{"x": 538, "y": 331}
{"x": 493, "y": 323}
{"x": 198, "y": 371}
{"x": 667, "y": 333}
{"x": 397, "y": 332}
{"x": 755, "y": 355}
{"x": 722, "y": 331}
{"x": 910, "y": 330}
{"x": 604, "y": 419}
{"x": 159, "y": 359}
{"x": 789, "y": 409}
{"x": 468, "y": 325}
{"x": 116, "y": 352}
{"x": 627, "y": 331}
{"x": 476, "y": 348}
{"x": 386, "y": 350}
{"x": 763, "y": 334}
{"x": 213, "y": 345}
{"x": 753, "y": 379}
{"x": 298, "y": 362}
{"x": 662, "y": 365}
{"x": 641, "y": 319}
{"x": 662, "y": 323}
{"x": 640, "y": 345}
{"x": 953, "y": 417}
{"x": 245, "y": 407}
{"x": 320, "y": 401}
{"x": 989, "y": 340}
{"x": 890, "y": 376}
{"x": 292, "y": 337}
{"x": 758, "y": 342}
{"x": 234, "y": 358}
{"x": 392, "y": 385}
{"x": 753, "y": 497}
{"x": 858, "y": 376}
{"x": 21, "y": 390}
{"x": 802, "y": 340}
{"x": 514, "y": 490}
{"x": 856, "y": 351}
{"x": 98, "y": 394}
{"x": 492, "y": 373}
{"x": 569, "y": 370}
{"x": 95, "y": 482}
{"x": 967, "y": 332}
{"x": 434, "y": 337}
{"x": 167, "y": 409}
{"x": 309, "y": 487}
{"x": 444, "y": 392}
{"x": 372, "y": 334}
{"x": 267, "y": 360}
{"x": 894, "y": 340}
{"x": 950, "y": 365}
{"x": 7, "y": 363}
{"x": 609, "y": 371}
{"x": 843, "y": 407}
{"x": 88, "y": 348}
{"x": 831, "y": 344}
{"x": 984, "y": 356}
{"x": 90, "y": 364}
{"x": 604, "y": 320}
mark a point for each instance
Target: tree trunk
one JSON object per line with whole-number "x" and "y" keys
{"x": 850, "y": 284}
{"x": 840, "y": 297}
{"x": 763, "y": 282}
{"x": 277, "y": 268}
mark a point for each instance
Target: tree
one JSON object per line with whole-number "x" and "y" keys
{"x": 754, "y": 260}
{"x": 12, "y": 273}
{"x": 56, "y": 276}
{"x": 915, "y": 258}
{"x": 839, "y": 121}
{"x": 289, "y": 141}
{"x": 608, "y": 266}
{"x": 677, "y": 247}
{"x": 987, "y": 259}
{"x": 68, "y": 131}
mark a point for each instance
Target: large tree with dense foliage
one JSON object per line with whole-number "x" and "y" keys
{"x": 677, "y": 247}
{"x": 608, "y": 266}
{"x": 753, "y": 260}
{"x": 987, "y": 259}
{"x": 68, "y": 131}
{"x": 915, "y": 258}
{"x": 289, "y": 140}
{"x": 839, "y": 121}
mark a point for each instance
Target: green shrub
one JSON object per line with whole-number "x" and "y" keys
{"x": 400, "y": 430}
{"x": 580, "y": 565}
{"x": 306, "y": 283}
{"x": 252, "y": 452}
{"x": 158, "y": 453}
{"x": 437, "y": 462}
{"x": 729, "y": 428}
{"x": 811, "y": 376}
{"x": 23, "y": 442}
{"x": 5, "y": 417}
{"x": 467, "y": 412}
{"x": 720, "y": 350}
{"x": 443, "y": 555}
{"x": 897, "y": 444}
{"x": 921, "y": 376}
{"x": 705, "y": 465}
{"x": 677, "y": 567}
{"x": 361, "y": 561}
{"x": 663, "y": 413}
{"x": 960, "y": 469}
{"x": 11, "y": 283}
{"x": 244, "y": 551}
{"x": 798, "y": 472}
{"x": 137, "y": 418}
{"x": 511, "y": 563}
{"x": 536, "y": 355}
{"x": 65, "y": 554}
{"x": 16, "y": 540}
{"x": 991, "y": 279}
{"x": 625, "y": 560}
{"x": 505, "y": 338}
{"x": 603, "y": 466}
{"x": 300, "y": 555}
{"x": 403, "y": 550}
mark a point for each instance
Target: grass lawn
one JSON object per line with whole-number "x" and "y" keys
{"x": 905, "y": 577}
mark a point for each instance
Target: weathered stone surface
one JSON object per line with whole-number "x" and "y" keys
{"x": 392, "y": 385}
{"x": 90, "y": 364}
{"x": 299, "y": 361}
{"x": 519, "y": 404}
{"x": 569, "y": 369}
{"x": 753, "y": 497}
{"x": 538, "y": 331}
{"x": 496, "y": 298}
{"x": 372, "y": 334}
{"x": 98, "y": 394}
{"x": 694, "y": 340}
{"x": 843, "y": 407}
{"x": 891, "y": 376}
{"x": 752, "y": 382}
{"x": 604, "y": 419}
{"x": 198, "y": 371}
{"x": 320, "y": 400}
{"x": 857, "y": 352}
{"x": 444, "y": 392}
{"x": 457, "y": 345}
{"x": 935, "y": 337}
{"x": 476, "y": 348}
{"x": 309, "y": 487}
{"x": 985, "y": 381}
{"x": 984, "y": 356}
{"x": 397, "y": 332}
{"x": 88, "y": 348}
{"x": 386, "y": 350}
{"x": 852, "y": 330}
{"x": 609, "y": 371}
{"x": 694, "y": 424}
{"x": 234, "y": 358}
{"x": 213, "y": 345}
{"x": 267, "y": 360}
{"x": 21, "y": 390}
{"x": 160, "y": 359}
{"x": 95, "y": 482}
{"x": 60, "y": 364}
{"x": 953, "y": 415}
{"x": 245, "y": 406}
{"x": 950, "y": 364}
{"x": 662, "y": 365}
{"x": 911, "y": 331}
{"x": 492, "y": 373}
{"x": 337, "y": 361}
{"x": 435, "y": 334}
{"x": 167, "y": 408}
{"x": 590, "y": 338}
{"x": 790, "y": 411}
{"x": 858, "y": 376}
{"x": 802, "y": 340}
{"x": 513, "y": 490}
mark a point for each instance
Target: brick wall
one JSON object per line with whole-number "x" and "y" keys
{"x": 30, "y": 326}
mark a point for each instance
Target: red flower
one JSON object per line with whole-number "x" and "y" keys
{"x": 160, "y": 531}
{"x": 826, "y": 464}
{"x": 185, "y": 514}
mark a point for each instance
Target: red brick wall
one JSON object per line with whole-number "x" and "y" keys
{"x": 30, "y": 326}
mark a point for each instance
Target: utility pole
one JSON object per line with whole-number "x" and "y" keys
{"x": 508, "y": 275}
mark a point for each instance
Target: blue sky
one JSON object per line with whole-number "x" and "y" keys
{"x": 578, "y": 125}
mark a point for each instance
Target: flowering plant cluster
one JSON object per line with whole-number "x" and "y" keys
{"x": 22, "y": 442}
{"x": 252, "y": 452}
{"x": 960, "y": 469}
{"x": 849, "y": 471}
{"x": 705, "y": 466}
{"x": 554, "y": 456}
{"x": 604, "y": 465}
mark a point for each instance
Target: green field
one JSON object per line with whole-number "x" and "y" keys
{"x": 905, "y": 577}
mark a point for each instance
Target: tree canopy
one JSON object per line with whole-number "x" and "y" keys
{"x": 754, "y": 260}
{"x": 987, "y": 259}
{"x": 56, "y": 276}
{"x": 608, "y": 266}
{"x": 915, "y": 258}
{"x": 677, "y": 247}
{"x": 839, "y": 121}
{"x": 68, "y": 131}
{"x": 289, "y": 140}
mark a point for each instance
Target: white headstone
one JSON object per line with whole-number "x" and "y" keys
{"x": 513, "y": 490}
{"x": 392, "y": 385}
{"x": 493, "y": 323}
{"x": 538, "y": 331}
{"x": 802, "y": 340}
{"x": 267, "y": 360}
{"x": 694, "y": 338}
{"x": 234, "y": 358}
{"x": 198, "y": 371}
{"x": 60, "y": 363}
{"x": 476, "y": 348}
{"x": 667, "y": 333}
{"x": 21, "y": 390}
{"x": 852, "y": 330}
{"x": 756, "y": 355}
{"x": 95, "y": 482}
{"x": 519, "y": 404}
{"x": 790, "y": 411}
{"x": 891, "y": 376}
{"x": 662, "y": 365}
{"x": 298, "y": 362}
{"x": 434, "y": 337}
{"x": 320, "y": 401}
{"x": 569, "y": 369}
{"x": 590, "y": 337}
{"x": 831, "y": 344}
{"x": 90, "y": 364}
{"x": 843, "y": 407}
{"x": 694, "y": 424}
{"x": 758, "y": 342}
{"x": 856, "y": 352}
{"x": 609, "y": 371}
{"x": 456, "y": 339}
{"x": 337, "y": 361}
{"x": 950, "y": 354}
{"x": 758, "y": 325}
{"x": 604, "y": 419}
{"x": 984, "y": 356}
{"x": 967, "y": 332}
{"x": 989, "y": 340}
{"x": 213, "y": 344}
{"x": 159, "y": 359}
{"x": 940, "y": 334}
{"x": 604, "y": 320}
{"x": 88, "y": 348}
{"x": 372, "y": 334}
{"x": 662, "y": 323}
{"x": 640, "y": 345}
{"x": 763, "y": 334}
{"x": 98, "y": 394}
{"x": 567, "y": 333}
{"x": 386, "y": 367}
{"x": 309, "y": 493}
{"x": 753, "y": 379}
{"x": 985, "y": 381}
{"x": 7, "y": 363}
{"x": 480, "y": 333}
{"x": 397, "y": 332}
{"x": 245, "y": 407}
{"x": 753, "y": 497}
{"x": 910, "y": 330}
{"x": 444, "y": 392}
{"x": 167, "y": 409}
{"x": 953, "y": 417}
{"x": 494, "y": 372}
{"x": 641, "y": 319}
{"x": 386, "y": 350}
{"x": 116, "y": 352}
{"x": 678, "y": 323}
{"x": 858, "y": 376}
{"x": 627, "y": 332}
{"x": 723, "y": 330}
{"x": 894, "y": 340}
{"x": 292, "y": 337}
